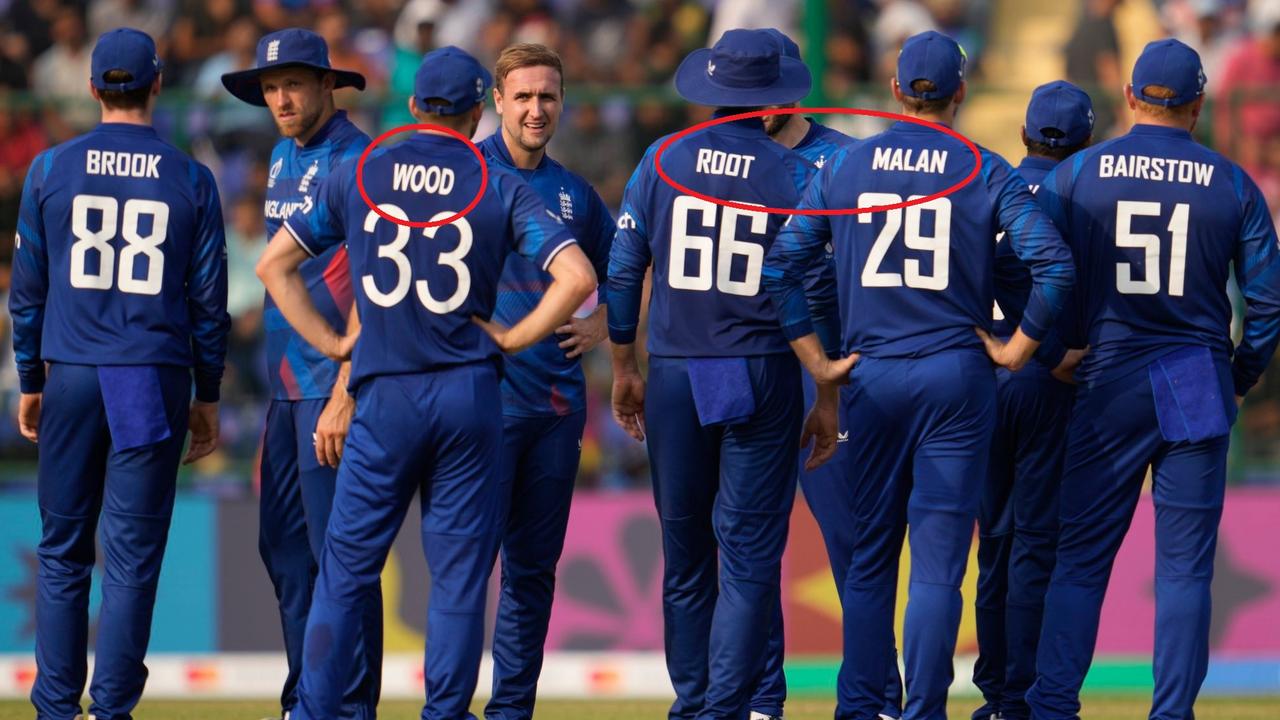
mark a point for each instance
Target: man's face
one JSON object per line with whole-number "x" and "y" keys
{"x": 295, "y": 97}
{"x": 530, "y": 104}
{"x": 773, "y": 124}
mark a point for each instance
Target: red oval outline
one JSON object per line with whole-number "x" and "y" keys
{"x": 484, "y": 174}
{"x": 973, "y": 148}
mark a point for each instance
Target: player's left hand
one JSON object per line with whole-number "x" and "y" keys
{"x": 332, "y": 426}
{"x": 821, "y": 426}
{"x": 584, "y": 333}
{"x": 29, "y": 416}
{"x": 203, "y": 423}
{"x": 496, "y": 331}
{"x": 628, "y": 403}
{"x": 1012, "y": 355}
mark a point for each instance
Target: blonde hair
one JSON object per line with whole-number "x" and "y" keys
{"x": 523, "y": 55}
{"x": 922, "y": 106}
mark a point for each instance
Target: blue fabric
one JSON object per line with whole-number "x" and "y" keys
{"x": 721, "y": 390}
{"x": 1062, "y": 107}
{"x": 286, "y": 48}
{"x": 1112, "y": 439}
{"x": 829, "y": 496}
{"x": 1017, "y": 534}
{"x": 295, "y": 500}
{"x": 540, "y": 463}
{"x": 436, "y": 434}
{"x": 919, "y": 441}
{"x": 87, "y": 491}
{"x": 1187, "y": 396}
{"x": 125, "y": 49}
{"x": 541, "y": 380}
{"x": 88, "y": 317}
{"x": 1169, "y": 63}
{"x": 134, "y": 403}
{"x": 1227, "y": 226}
{"x": 724, "y": 497}
{"x": 399, "y": 332}
{"x": 452, "y": 75}
{"x": 931, "y": 56}
{"x": 745, "y": 68}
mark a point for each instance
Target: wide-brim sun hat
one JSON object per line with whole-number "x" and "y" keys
{"x": 291, "y": 47}
{"x": 745, "y": 68}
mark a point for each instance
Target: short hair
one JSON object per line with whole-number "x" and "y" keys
{"x": 1053, "y": 152}
{"x": 1164, "y": 112}
{"x": 135, "y": 99}
{"x": 922, "y": 106}
{"x": 523, "y": 55}
{"x": 454, "y": 121}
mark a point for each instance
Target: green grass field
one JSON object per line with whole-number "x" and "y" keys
{"x": 1095, "y": 708}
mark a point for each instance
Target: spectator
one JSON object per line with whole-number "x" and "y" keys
{"x": 729, "y": 14}
{"x": 246, "y": 239}
{"x": 152, "y": 17}
{"x": 897, "y": 21}
{"x": 199, "y": 33}
{"x": 280, "y": 14}
{"x": 61, "y": 75}
{"x": 23, "y": 140}
{"x": 455, "y": 22}
{"x": 1093, "y": 62}
{"x": 1211, "y": 27}
{"x": 1247, "y": 112}
{"x": 580, "y": 151}
{"x": 232, "y": 125}
{"x": 595, "y": 40}
{"x": 334, "y": 26}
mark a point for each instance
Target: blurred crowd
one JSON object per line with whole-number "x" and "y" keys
{"x": 619, "y": 56}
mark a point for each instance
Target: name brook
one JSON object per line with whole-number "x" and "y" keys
{"x": 122, "y": 164}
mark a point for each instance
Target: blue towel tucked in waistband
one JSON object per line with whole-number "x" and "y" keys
{"x": 1188, "y": 396}
{"x": 134, "y": 404}
{"x": 721, "y": 390}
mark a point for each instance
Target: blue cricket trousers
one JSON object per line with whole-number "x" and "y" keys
{"x": 919, "y": 443}
{"x": 540, "y": 463}
{"x": 438, "y": 434}
{"x": 724, "y": 496}
{"x": 85, "y": 481}
{"x": 1018, "y": 534}
{"x": 1113, "y": 437}
{"x": 293, "y": 510}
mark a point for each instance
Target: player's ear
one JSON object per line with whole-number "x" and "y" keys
{"x": 960, "y": 93}
{"x": 497, "y": 99}
{"x": 1023, "y": 133}
{"x": 329, "y": 82}
{"x": 413, "y": 109}
{"x": 93, "y": 91}
{"x": 1196, "y": 107}
{"x": 156, "y": 85}
{"x": 897, "y": 91}
{"x": 1129, "y": 99}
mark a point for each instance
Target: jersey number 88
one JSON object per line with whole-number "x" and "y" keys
{"x": 100, "y": 241}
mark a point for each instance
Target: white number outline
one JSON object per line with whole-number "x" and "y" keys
{"x": 135, "y": 243}
{"x": 939, "y": 244}
{"x": 729, "y": 246}
{"x": 1178, "y": 226}
{"x": 394, "y": 251}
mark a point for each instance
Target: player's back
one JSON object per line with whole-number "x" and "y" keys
{"x": 707, "y": 258}
{"x": 132, "y": 229}
{"x": 1154, "y": 221}
{"x": 417, "y": 289}
{"x": 916, "y": 280}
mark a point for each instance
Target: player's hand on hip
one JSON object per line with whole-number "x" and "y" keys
{"x": 1066, "y": 370}
{"x": 584, "y": 333}
{"x": 835, "y": 372}
{"x": 495, "y": 331}
{"x": 332, "y": 426}
{"x": 203, "y": 423}
{"x": 342, "y": 347}
{"x": 1012, "y": 355}
{"x": 628, "y": 403}
{"x": 29, "y": 416}
{"x": 821, "y": 427}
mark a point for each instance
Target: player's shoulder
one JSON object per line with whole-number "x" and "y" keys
{"x": 830, "y": 135}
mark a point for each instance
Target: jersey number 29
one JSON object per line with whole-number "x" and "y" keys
{"x": 100, "y": 241}
{"x": 939, "y": 243}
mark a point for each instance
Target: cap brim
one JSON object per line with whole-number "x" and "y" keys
{"x": 792, "y": 84}
{"x": 246, "y": 85}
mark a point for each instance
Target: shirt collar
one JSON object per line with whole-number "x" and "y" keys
{"x": 1160, "y": 131}
{"x": 497, "y": 145}
{"x": 1038, "y": 163}
{"x": 327, "y": 130}
{"x": 127, "y": 128}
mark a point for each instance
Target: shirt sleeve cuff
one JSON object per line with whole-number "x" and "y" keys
{"x": 298, "y": 239}
{"x": 798, "y": 329}
{"x": 620, "y": 336}
{"x": 551, "y": 256}
{"x": 31, "y": 380}
{"x": 208, "y": 390}
{"x": 1031, "y": 330}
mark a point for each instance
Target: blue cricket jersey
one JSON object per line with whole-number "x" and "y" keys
{"x": 706, "y": 299}
{"x": 821, "y": 143}
{"x": 417, "y": 289}
{"x": 1155, "y": 222}
{"x": 120, "y": 259}
{"x": 918, "y": 280}
{"x": 541, "y": 380}
{"x": 1010, "y": 272}
{"x": 298, "y": 371}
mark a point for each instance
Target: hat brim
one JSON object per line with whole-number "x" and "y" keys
{"x": 246, "y": 85}
{"x": 792, "y": 84}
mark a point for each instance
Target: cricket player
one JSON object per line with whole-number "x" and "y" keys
{"x": 723, "y": 390}
{"x": 1155, "y": 222}
{"x": 425, "y": 374}
{"x": 310, "y": 410}
{"x": 120, "y": 286}
{"x": 544, "y": 407}
{"x": 920, "y": 410}
{"x": 826, "y": 488}
{"x": 1018, "y": 513}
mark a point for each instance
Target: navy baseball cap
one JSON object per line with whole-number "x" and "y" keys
{"x": 934, "y": 57}
{"x": 1172, "y": 64}
{"x": 745, "y": 68}
{"x": 789, "y": 47}
{"x": 1059, "y": 115}
{"x": 453, "y": 75}
{"x": 132, "y": 51}
{"x": 291, "y": 47}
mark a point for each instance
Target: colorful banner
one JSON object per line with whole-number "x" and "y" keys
{"x": 214, "y": 593}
